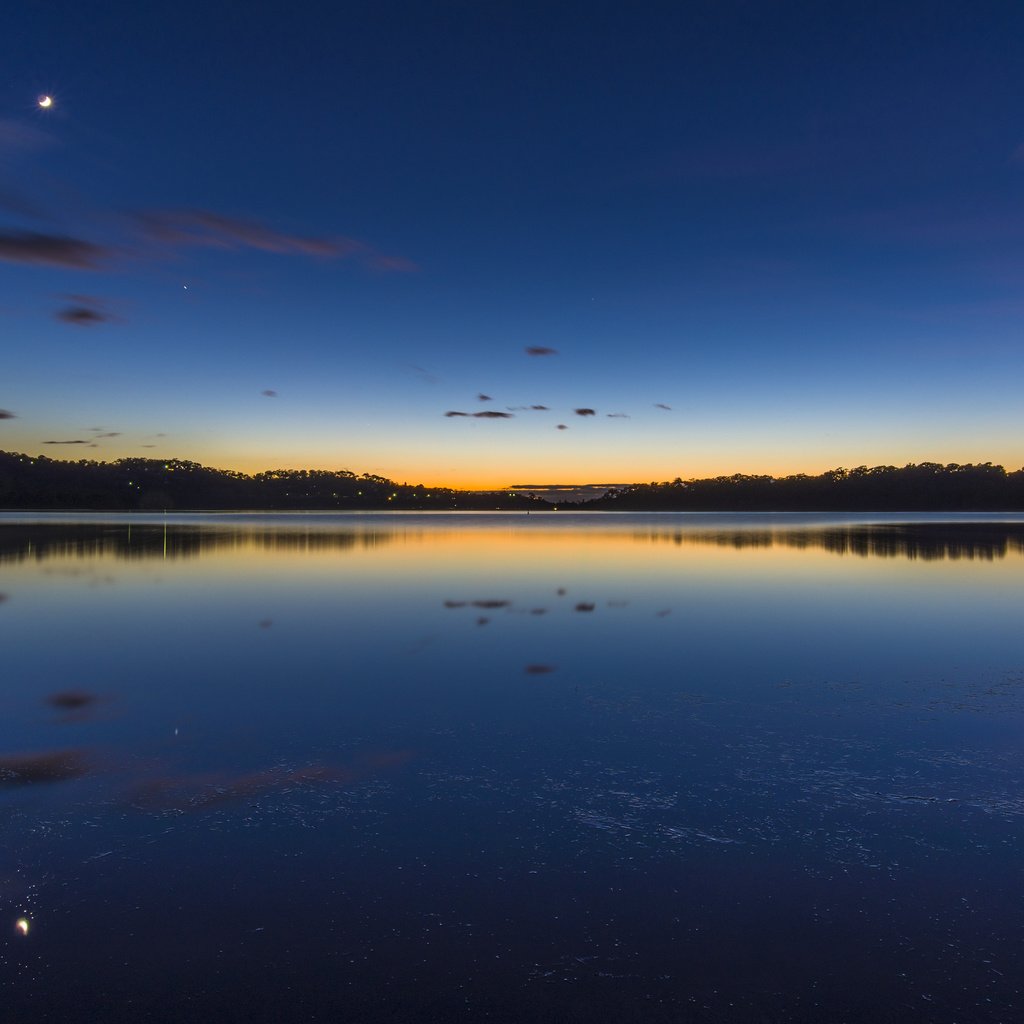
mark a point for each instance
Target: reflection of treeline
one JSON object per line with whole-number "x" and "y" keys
{"x": 38, "y": 482}
{"x": 92, "y": 540}
{"x": 927, "y": 541}
{"x": 925, "y": 487}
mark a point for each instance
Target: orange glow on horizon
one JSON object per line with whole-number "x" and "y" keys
{"x": 465, "y": 470}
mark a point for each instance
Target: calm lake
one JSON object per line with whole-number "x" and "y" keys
{"x": 558, "y": 767}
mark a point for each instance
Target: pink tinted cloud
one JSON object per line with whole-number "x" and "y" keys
{"x": 205, "y": 228}
{"x": 50, "y": 250}
{"x": 17, "y": 138}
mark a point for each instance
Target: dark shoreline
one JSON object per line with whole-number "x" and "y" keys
{"x": 38, "y": 483}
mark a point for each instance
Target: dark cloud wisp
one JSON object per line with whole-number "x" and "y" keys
{"x": 50, "y": 250}
{"x": 82, "y": 316}
{"x": 206, "y": 229}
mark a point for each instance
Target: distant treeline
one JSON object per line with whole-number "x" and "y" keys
{"x": 37, "y": 482}
{"x": 924, "y": 487}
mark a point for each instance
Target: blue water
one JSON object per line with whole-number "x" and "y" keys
{"x": 499, "y": 767}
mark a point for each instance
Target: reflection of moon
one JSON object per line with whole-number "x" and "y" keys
{"x": 45, "y": 101}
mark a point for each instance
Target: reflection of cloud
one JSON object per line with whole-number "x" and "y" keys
{"x": 561, "y": 426}
{"x": 201, "y": 792}
{"x": 540, "y": 350}
{"x": 584, "y": 412}
{"x": 585, "y": 606}
{"x": 269, "y": 393}
{"x": 491, "y": 604}
{"x": 538, "y": 670}
{"x": 110, "y": 433}
{"x": 49, "y": 766}
{"x": 71, "y": 700}
{"x": 50, "y": 250}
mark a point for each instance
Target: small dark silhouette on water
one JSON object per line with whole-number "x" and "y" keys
{"x": 38, "y": 482}
{"x": 71, "y": 700}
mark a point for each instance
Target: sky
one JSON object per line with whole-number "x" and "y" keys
{"x": 750, "y": 236}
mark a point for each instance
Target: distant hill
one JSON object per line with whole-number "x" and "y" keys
{"x": 38, "y": 482}
{"x": 922, "y": 487}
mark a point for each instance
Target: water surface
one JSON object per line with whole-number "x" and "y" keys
{"x": 507, "y": 767}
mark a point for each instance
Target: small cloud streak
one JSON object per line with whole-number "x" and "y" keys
{"x": 618, "y": 415}
{"x": 6, "y": 414}
{"x": 488, "y": 414}
{"x": 17, "y": 138}
{"x": 483, "y": 398}
{"x": 65, "y": 442}
{"x": 584, "y": 412}
{"x": 50, "y": 250}
{"x": 540, "y": 350}
{"x": 269, "y": 393}
{"x": 82, "y": 316}
{"x": 206, "y": 229}
{"x": 662, "y": 405}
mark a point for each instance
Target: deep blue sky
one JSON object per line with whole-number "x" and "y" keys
{"x": 798, "y": 225}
